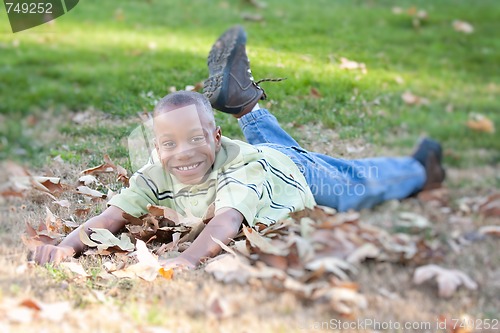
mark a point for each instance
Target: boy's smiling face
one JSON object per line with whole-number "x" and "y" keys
{"x": 186, "y": 141}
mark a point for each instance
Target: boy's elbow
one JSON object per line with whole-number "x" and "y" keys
{"x": 236, "y": 218}
{"x": 229, "y": 217}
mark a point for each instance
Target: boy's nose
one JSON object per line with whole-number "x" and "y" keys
{"x": 184, "y": 153}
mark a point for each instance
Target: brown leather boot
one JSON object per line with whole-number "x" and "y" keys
{"x": 435, "y": 173}
{"x": 430, "y": 154}
{"x": 230, "y": 86}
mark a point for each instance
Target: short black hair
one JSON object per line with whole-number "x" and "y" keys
{"x": 182, "y": 98}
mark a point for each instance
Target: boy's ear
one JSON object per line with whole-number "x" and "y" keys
{"x": 218, "y": 137}
{"x": 156, "y": 152}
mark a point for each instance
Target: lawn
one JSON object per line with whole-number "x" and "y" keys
{"x": 71, "y": 91}
{"x": 108, "y": 58}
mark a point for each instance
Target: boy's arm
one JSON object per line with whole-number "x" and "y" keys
{"x": 110, "y": 219}
{"x": 224, "y": 226}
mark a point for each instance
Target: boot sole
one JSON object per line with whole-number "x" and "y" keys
{"x": 220, "y": 61}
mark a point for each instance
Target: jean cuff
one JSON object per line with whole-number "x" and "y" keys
{"x": 252, "y": 117}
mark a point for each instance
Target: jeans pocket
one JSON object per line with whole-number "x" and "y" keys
{"x": 304, "y": 153}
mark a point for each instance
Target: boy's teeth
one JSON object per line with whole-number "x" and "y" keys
{"x": 189, "y": 167}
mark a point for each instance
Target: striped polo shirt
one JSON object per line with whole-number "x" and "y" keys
{"x": 263, "y": 184}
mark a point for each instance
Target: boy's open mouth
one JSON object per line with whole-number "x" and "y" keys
{"x": 188, "y": 167}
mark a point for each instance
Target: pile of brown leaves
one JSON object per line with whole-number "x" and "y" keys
{"x": 313, "y": 254}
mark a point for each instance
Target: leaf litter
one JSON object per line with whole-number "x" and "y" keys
{"x": 463, "y": 26}
{"x": 480, "y": 123}
{"x": 448, "y": 279}
{"x": 314, "y": 254}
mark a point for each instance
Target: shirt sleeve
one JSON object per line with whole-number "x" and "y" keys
{"x": 135, "y": 199}
{"x": 241, "y": 188}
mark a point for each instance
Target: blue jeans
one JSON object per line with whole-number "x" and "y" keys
{"x": 338, "y": 183}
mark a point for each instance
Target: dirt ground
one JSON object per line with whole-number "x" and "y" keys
{"x": 49, "y": 299}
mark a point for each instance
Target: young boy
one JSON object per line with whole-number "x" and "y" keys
{"x": 259, "y": 181}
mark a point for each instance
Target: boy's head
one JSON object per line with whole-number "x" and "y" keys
{"x": 186, "y": 137}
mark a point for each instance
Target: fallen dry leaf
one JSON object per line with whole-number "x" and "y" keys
{"x": 119, "y": 15}
{"x": 16, "y": 170}
{"x": 331, "y": 264}
{"x": 411, "y": 99}
{"x": 493, "y": 230}
{"x": 90, "y": 192}
{"x": 252, "y": 17}
{"x": 462, "y": 26}
{"x": 88, "y": 180}
{"x": 422, "y": 15}
{"x": 21, "y": 181}
{"x": 313, "y": 92}
{"x": 107, "y": 167}
{"x": 439, "y": 195}
{"x": 33, "y": 242}
{"x": 362, "y": 253}
{"x": 397, "y": 10}
{"x": 147, "y": 268}
{"x": 20, "y": 315}
{"x": 448, "y": 279}
{"x": 399, "y": 80}
{"x": 28, "y": 310}
{"x": 82, "y": 212}
{"x": 257, "y": 4}
{"x": 412, "y": 10}
{"x": 75, "y": 268}
{"x": 63, "y": 203}
{"x": 223, "y": 246}
{"x": 229, "y": 268}
{"x": 47, "y": 184}
{"x": 165, "y": 212}
{"x": 48, "y": 232}
{"x": 152, "y": 45}
{"x": 103, "y": 168}
{"x": 352, "y": 65}
{"x": 264, "y": 244}
{"x": 166, "y": 273}
{"x": 480, "y": 123}
{"x": 463, "y": 324}
{"x": 491, "y": 207}
{"x": 412, "y": 220}
{"x": 222, "y": 307}
{"x": 197, "y": 87}
{"x": 106, "y": 239}
{"x": 343, "y": 300}
{"x": 178, "y": 219}
{"x": 53, "y": 224}
{"x": 9, "y": 190}
{"x": 85, "y": 239}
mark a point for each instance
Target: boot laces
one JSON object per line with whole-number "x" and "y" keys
{"x": 256, "y": 84}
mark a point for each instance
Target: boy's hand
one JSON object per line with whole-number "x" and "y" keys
{"x": 178, "y": 262}
{"x": 52, "y": 253}
{"x": 111, "y": 219}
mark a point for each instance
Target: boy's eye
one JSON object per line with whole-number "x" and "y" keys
{"x": 198, "y": 139}
{"x": 168, "y": 144}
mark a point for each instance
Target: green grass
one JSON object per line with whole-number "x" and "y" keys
{"x": 108, "y": 55}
